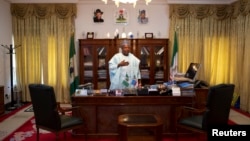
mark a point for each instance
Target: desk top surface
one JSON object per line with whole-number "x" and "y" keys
{"x": 138, "y": 93}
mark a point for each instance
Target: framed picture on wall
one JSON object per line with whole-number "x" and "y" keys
{"x": 90, "y": 35}
{"x": 142, "y": 17}
{"x": 121, "y": 16}
{"x": 98, "y": 16}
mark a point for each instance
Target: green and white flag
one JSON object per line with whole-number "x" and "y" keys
{"x": 73, "y": 71}
{"x": 174, "y": 61}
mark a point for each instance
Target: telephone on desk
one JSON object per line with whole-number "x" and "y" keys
{"x": 86, "y": 86}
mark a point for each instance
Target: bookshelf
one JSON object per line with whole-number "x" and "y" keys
{"x": 94, "y": 55}
{"x": 153, "y": 54}
{"x": 93, "y": 59}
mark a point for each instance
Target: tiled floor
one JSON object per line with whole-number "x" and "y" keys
{"x": 15, "y": 121}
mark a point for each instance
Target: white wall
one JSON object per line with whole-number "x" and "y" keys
{"x": 158, "y": 14}
{"x": 5, "y": 39}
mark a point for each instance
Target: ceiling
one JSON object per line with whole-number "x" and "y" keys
{"x": 167, "y": 1}
{"x": 200, "y": 1}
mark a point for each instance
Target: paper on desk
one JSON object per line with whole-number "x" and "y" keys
{"x": 81, "y": 92}
{"x": 176, "y": 91}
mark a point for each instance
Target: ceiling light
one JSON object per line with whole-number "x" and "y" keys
{"x": 126, "y": 1}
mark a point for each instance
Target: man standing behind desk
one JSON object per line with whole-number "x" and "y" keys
{"x": 124, "y": 69}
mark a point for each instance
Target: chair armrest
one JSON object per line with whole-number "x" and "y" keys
{"x": 63, "y": 110}
{"x": 185, "y": 111}
{"x": 76, "y": 109}
{"x": 193, "y": 110}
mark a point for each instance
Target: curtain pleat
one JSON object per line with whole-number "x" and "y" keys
{"x": 217, "y": 37}
{"x": 43, "y": 31}
{"x": 43, "y": 11}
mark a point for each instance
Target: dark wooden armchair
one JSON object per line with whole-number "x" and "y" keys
{"x": 48, "y": 113}
{"x": 216, "y": 112}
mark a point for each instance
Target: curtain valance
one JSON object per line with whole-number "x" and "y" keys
{"x": 219, "y": 12}
{"x": 43, "y": 10}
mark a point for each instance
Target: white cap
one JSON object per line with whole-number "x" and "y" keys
{"x": 125, "y": 42}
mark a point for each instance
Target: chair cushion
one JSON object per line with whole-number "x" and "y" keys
{"x": 68, "y": 121}
{"x": 193, "y": 121}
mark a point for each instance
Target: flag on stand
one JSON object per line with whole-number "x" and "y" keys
{"x": 174, "y": 61}
{"x": 73, "y": 72}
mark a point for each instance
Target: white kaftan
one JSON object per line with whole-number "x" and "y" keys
{"x": 124, "y": 76}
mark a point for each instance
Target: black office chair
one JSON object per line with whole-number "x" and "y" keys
{"x": 216, "y": 112}
{"x": 49, "y": 115}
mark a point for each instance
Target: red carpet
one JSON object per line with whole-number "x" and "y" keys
{"x": 240, "y": 111}
{"x": 27, "y": 132}
{"x": 5, "y": 116}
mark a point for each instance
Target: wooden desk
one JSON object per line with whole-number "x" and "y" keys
{"x": 147, "y": 122}
{"x": 101, "y": 112}
{"x": 200, "y": 98}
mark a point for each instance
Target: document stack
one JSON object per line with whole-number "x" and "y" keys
{"x": 186, "y": 85}
{"x": 176, "y": 91}
{"x": 187, "y": 88}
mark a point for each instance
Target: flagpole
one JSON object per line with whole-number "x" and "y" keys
{"x": 177, "y": 27}
{"x": 174, "y": 60}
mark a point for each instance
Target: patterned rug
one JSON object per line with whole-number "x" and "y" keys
{"x": 27, "y": 132}
{"x": 11, "y": 120}
{"x": 7, "y": 115}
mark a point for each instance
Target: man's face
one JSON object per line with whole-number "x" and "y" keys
{"x": 99, "y": 15}
{"x": 143, "y": 15}
{"x": 125, "y": 50}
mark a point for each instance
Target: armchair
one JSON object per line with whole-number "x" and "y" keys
{"x": 48, "y": 113}
{"x": 216, "y": 111}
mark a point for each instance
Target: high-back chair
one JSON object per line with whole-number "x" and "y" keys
{"x": 46, "y": 112}
{"x": 216, "y": 112}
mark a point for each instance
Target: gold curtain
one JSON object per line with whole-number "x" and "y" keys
{"x": 43, "y": 31}
{"x": 217, "y": 37}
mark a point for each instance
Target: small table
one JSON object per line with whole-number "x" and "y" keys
{"x": 127, "y": 122}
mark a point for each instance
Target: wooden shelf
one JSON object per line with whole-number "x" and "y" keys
{"x": 94, "y": 56}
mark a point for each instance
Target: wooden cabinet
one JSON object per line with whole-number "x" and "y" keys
{"x": 153, "y": 54}
{"x": 94, "y": 55}
{"x": 1, "y": 100}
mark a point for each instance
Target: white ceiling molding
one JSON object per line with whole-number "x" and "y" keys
{"x": 139, "y": 1}
{"x": 200, "y": 1}
{"x": 82, "y": 1}
{"x": 112, "y": 2}
{"x": 42, "y": 1}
